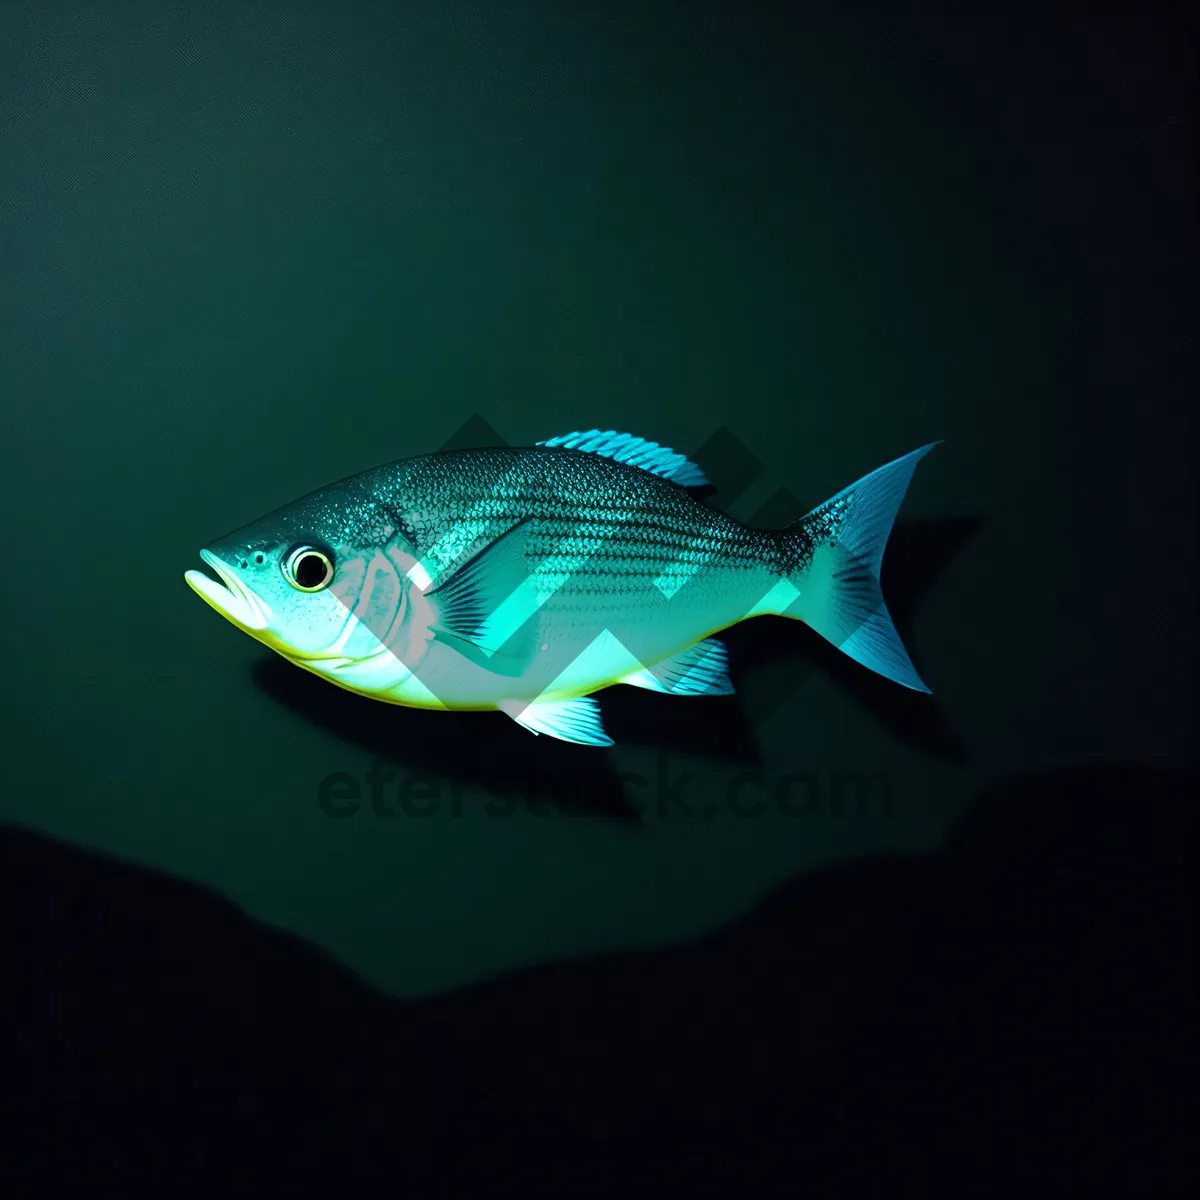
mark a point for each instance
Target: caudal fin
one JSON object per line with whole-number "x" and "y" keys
{"x": 835, "y": 554}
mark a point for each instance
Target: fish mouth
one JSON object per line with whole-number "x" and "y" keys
{"x": 230, "y": 597}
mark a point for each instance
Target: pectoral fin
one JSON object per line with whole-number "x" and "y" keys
{"x": 465, "y": 603}
{"x": 568, "y": 720}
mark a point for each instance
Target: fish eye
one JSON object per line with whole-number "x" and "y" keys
{"x": 308, "y": 569}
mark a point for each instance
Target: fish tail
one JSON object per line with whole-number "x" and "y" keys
{"x": 832, "y": 559}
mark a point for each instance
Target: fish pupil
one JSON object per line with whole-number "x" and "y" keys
{"x": 310, "y": 570}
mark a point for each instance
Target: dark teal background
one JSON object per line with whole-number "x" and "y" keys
{"x": 249, "y": 250}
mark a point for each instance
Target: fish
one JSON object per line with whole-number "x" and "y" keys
{"x": 523, "y": 580}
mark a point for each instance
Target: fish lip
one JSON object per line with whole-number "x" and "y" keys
{"x": 234, "y": 601}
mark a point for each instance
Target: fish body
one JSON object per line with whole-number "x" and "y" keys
{"x": 526, "y": 579}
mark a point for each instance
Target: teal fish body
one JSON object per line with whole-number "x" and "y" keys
{"x": 526, "y": 579}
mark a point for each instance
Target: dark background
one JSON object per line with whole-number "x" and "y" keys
{"x": 248, "y": 251}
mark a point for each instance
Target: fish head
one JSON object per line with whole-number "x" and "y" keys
{"x": 323, "y": 582}
{"x": 276, "y": 590}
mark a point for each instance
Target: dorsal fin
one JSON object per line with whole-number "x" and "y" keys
{"x": 636, "y": 451}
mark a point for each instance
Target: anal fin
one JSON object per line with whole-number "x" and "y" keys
{"x": 575, "y": 720}
{"x": 700, "y": 670}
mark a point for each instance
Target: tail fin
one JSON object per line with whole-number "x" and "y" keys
{"x": 839, "y": 549}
